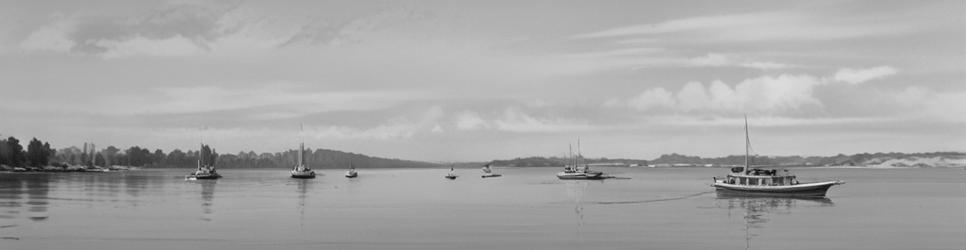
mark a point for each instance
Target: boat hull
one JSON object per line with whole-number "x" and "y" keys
{"x": 490, "y": 175}
{"x": 303, "y": 175}
{"x": 451, "y": 177}
{"x": 817, "y": 189}
{"x": 580, "y": 176}
{"x": 351, "y": 175}
{"x": 202, "y": 177}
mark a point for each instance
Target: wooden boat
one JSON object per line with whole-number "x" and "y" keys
{"x": 206, "y": 166}
{"x": 752, "y": 181}
{"x": 488, "y": 172}
{"x": 578, "y": 171}
{"x": 301, "y": 171}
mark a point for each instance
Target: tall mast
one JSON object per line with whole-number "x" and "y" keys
{"x": 579, "y": 155}
{"x": 572, "y": 159}
{"x": 302, "y": 145}
{"x": 747, "y": 142}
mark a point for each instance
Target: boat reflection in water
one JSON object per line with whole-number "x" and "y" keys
{"x": 207, "y": 197}
{"x": 757, "y": 210}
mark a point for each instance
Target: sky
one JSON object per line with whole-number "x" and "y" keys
{"x": 482, "y": 80}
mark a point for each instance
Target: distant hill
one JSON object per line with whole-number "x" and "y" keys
{"x": 934, "y": 159}
{"x": 535, "y": 161}
{"x": 318, "y": 159}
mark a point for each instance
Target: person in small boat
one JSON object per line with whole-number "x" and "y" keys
{"x": 486, "y": 169}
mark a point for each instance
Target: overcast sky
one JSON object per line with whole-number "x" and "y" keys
{"x": 481, "y": 80}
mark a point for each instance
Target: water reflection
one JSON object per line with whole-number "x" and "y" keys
{"x": 23, "y": 195}
{"x": 758, "y": 211}
{"x": 575, "y": 190}
{"x": 303, "y": 187}
{"x": 207, "y": 196}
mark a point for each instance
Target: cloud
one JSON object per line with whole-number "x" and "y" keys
{"x": 275, "y": 100}
{"x": 468, "y": 120}
{"x": 396, "y": 128}
{"x": 750, "y": 27}
{"x": 722, "y": 60}
{"x": 514, "y": 120}
{"x": 141, "y": 46}
{"x": 53, "y": 37}
{"x": 652, "y": 98}
{"x": 857, "y": 76}
{"x": 761, "y": 94}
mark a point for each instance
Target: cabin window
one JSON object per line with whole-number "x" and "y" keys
{"x": 743, "y": 180}
{"x": 779, "y": 181}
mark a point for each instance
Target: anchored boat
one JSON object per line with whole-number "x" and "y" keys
{"x": 753, "y": 181}
{"x": 488, "y": 172}
{"x": 300, "y": 170}
{"x": 351, "y": 173}
{"x": 206, "y": 165}
{"x": 578, "y": 170}
{"x": 452, "y": 174}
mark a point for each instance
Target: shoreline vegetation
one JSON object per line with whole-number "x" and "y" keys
{"x": 39, "y": 156}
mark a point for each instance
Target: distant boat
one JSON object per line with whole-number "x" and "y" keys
{"x": 301, "y": 171}
{"x": 352, "y": 172}
{"x": 452, "y": 174}
{"x": 750, "y": 181}
{"x": 488, "y": 172}
{"x": 578, "y": 170}
{"x": 206, "y": 165}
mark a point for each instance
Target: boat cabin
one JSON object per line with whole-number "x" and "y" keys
{"x": 760, "y": 177}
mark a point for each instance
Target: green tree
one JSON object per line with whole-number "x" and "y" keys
{"x": 12, "y": 152}
{"x": 36, "y": 153}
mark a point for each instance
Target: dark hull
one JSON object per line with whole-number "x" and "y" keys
{"x": 491, "y": 175}
{"x": 203, "y": 177}
{"x": 303, "y": 176}
{"x": 451, "y": 177}
{"x": 352, "y": 176}
{"x": 790, "y": 191}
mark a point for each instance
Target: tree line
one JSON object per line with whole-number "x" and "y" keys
{"x": 39, "y": 154}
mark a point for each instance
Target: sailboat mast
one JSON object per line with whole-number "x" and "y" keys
{"x": 747, "y": 142}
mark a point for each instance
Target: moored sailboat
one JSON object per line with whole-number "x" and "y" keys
{"x": 300, "y": 170}
{"x": 206, "y": 165}
{"x": 753, "y": 181}
{"x": 452, "y": 174}
{"x": 488, "y": 172}
{"x": 351, "y": 173}
{"x": 578, "y": 171}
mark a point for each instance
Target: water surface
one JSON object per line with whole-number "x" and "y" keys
{"x": 527, "y": 208}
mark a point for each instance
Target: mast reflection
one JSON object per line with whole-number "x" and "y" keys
{"x": 757, "y": 210}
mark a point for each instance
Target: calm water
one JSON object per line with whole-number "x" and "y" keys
{"x": 526, "y": 209}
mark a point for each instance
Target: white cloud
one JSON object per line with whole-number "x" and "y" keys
{"x": 762, "y": 94}
{"x": 514, "y": 120}
{"x": 470, "y": 121}
{"x": 52, "y": 37}
{"x": 766, "y": 26}
{"x": 652, "y": 98}
{"x": 722, "y": 60}
{"x": 276, "y": 100}
{"x": 398, "y": 128}
{"x": 141, "y": 46}
{"x": 857, "y": 76}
